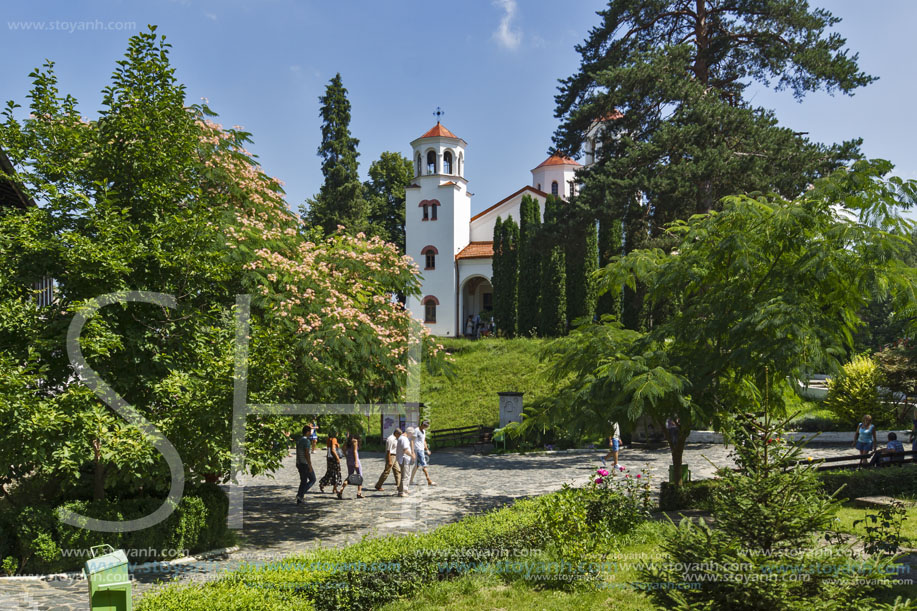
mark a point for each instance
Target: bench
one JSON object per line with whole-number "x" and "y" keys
{"x": 873, "y": 460}
{"x": 461, "y": 436}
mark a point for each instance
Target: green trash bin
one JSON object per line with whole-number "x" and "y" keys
{"x": 109, "y": 581}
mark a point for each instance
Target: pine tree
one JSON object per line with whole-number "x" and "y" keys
{"x": 553, "y": 320}
{"x": 581, "y": 256}
{"x": 529, "y": 266}
{"x": 666, "y": 83}
{"x": 341, "y": 200}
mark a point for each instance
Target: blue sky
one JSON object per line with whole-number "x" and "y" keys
{"x": 492, "y": 66}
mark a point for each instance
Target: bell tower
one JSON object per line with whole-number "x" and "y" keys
{"x": 436, "y": 224}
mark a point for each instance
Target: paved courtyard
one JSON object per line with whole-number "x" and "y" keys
{"x": 274, "y": 526}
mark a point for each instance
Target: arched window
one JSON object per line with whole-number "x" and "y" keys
{"x": 447, "y": 163}
{"x": 554, "y": 188}
{"x": 427, "y": 204}
{"x": 429, "y": 308}
{"x": 538, "y": 186}
{"x": 431, "y": 163}
{"x": 429, "y": 253}
{"x": 417, "y": 168}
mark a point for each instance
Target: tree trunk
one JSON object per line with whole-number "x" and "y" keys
{"x": 678, "y": 449}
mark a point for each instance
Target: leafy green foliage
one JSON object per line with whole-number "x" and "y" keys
{"x": 553, "y": 298}
{"x": 530, "y": 260}
{"x": 854, "y": 392}
{"x": 661, "y": 94}
{"x": 37, "y": 538}
{"x": 762, "y": 552}
{"x": 768, "y": 291}
{"x": 506, "y": 276}
{"x": 385, "y": 192}
{"x": 581, "y": 257}
{"x": 883, "y": 528}
{"x": 155, "y": 196}
{"x": 340, "y": 201}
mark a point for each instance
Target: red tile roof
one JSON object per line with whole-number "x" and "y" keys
{"x": 557, "y": 160}
{"x": 438, "y": 131}
{"x": 476, "y": 250}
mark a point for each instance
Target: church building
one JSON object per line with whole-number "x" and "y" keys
{"x": 453, "y": 249}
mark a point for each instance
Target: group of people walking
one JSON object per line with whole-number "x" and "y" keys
{"x": 402, "y": 451}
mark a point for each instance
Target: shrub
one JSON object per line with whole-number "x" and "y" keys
{"x": 855, "y": 392}
{"x": 690, "y": 495}
{"x": 9, "y": 565}
{"x": 892, "y": 481}
{"x": 197, "y": 524}
{"x": 763, "y": 552}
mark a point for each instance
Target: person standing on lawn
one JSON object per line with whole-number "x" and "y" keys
{"x": 421, "y": 451}
{"x": 304, "y": 463}
{"x": 391, "y": 447}
{"x": 865, "y": 439}
{"x": 614, "y": 441}
{"x": 403, "y": 455}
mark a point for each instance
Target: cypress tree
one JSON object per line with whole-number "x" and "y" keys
{"x": 498, "y": 280}
{"x": 341, "y": 200}
{"x": 581, "y": 256}
{"x": 553, "y": 275}
{"x": 511, "y": 263}
{"x": 610, "y": 245}
{"x": 529, "y": 266}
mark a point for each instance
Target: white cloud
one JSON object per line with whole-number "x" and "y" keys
{"x": 506, "y": 35}
{"x": 210, "y": 16}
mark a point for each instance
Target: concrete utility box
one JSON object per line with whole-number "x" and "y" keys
{"x": 109, "y": 580}
{"x": 510, "y": 407}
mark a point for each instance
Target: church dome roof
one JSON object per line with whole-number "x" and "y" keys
{"x": 438, "y": 131}
{"x": 557, "y": 160}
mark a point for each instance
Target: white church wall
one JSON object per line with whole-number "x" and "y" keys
{"x": 482, "y": 228}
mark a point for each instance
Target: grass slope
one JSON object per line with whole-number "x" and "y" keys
{"x": 482, "y": 369}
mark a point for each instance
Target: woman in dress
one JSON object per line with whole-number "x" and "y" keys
{"x": 864, "y": 439}
{"x": 333, "y": 474}
{"x": 352, "y": 452}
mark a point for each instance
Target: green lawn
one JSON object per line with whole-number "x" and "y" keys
{"x": 848, "y": 515}
{"x": 488, "y": 591}
{"x": 482, "y": 369}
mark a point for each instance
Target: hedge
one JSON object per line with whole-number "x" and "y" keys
{"x": 898, "y": 480}
{"x": 373, "y": 572}
{"x": 34, "y": 538}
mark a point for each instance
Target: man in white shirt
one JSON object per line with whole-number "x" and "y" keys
{"x": 421, "y": 451}
{"x": 391, "y": 445}
{"x": 403, "y": 455}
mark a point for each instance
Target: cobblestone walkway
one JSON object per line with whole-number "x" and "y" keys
{"x": 274, "y": 526}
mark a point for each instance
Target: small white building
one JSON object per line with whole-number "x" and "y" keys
{"x": 453, "y": 249}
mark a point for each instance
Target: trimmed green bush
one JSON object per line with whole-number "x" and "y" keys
{"x": 898, "y": 481}
{"x": 375, "y": 571}
{"x": 36, "y": 539}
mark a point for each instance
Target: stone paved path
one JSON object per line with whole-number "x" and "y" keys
{"x": 274, "y": 526}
